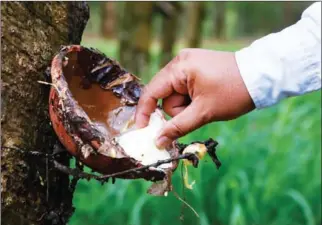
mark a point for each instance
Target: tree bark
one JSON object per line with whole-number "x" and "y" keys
{"x": 196, "y": 15}
{"x": 219, "y": 20}
{"x": 108, "y": 20}
{"x": 135, "y": 36}
{"x": 169, "y": 30}
{"x": 32, "y": 192}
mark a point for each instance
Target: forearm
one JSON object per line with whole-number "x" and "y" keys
{"x": 284, "y": 64}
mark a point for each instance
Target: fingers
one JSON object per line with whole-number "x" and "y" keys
{"x": 175, "y": 103}
{"x": 191, "y": 118}
{"x": 161, "y": 86}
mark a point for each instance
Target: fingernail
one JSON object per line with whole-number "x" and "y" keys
{"x": 163, "y": 142}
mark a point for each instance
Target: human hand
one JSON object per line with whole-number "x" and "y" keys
{"x": 197, "y": 87}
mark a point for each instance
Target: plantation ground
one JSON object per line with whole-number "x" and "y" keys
{"x": 270, "y": 174}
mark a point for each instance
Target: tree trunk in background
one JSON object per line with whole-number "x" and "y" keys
{"x": 108, "y": 20}
{"x": 32, "y": 33}
{"x": 169, "y": 30}
{"x": 196, "y": 15}
{"x": 142, "y": 15}
{"x": 135, "y": 36}
{"x": 287, "y": 13}
{"x": 219, "y": 20}
{"x": 125, "y": 51}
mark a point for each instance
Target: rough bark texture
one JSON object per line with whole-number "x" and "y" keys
{"x": 135, "y": 36}
{"x": 108, "y": 21}
{"x": 196, "y": 15}
{"x": 32, "y": 33}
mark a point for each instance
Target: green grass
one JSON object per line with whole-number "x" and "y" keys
{"x": 270, "y": 174}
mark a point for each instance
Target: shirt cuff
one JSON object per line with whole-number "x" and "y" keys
{"x": 284, "y": 64}
{"x": 253, "y": 80}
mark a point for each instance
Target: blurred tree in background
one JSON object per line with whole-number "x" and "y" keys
{"x": 219, "y": 19}
{"x": 170, "y": 12}
{"x": 135, "y": 36}
{"x": 195, "y": 17}
{"x": 271, "y": 171}
{"x": 108, "y": 20}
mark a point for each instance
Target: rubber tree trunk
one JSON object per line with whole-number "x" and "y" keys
{"x": 196, "y": 15}
{"x": 135, "y": 36}
{"x": 219, "y": 20}
{"x": 108, "y": 20}
{"x": 31, "y": 33}
{"x": 170, "y": 21}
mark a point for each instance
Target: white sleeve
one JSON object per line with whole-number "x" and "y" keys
{"x": 284, "y": 64}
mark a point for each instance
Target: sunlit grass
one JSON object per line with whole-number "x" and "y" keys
{"x": 270, "y": 174}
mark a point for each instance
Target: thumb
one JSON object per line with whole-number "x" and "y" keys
{"x": 191, "y": 118}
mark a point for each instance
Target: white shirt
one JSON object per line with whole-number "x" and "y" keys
{"x": 284, "y": 64}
